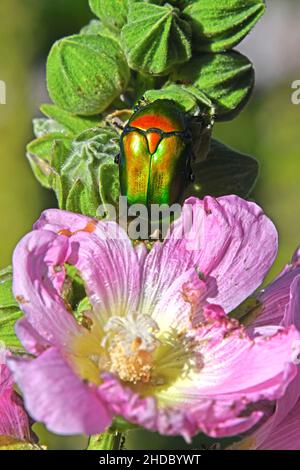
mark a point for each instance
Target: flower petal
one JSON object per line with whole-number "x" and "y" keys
{"x": 14, "y": 421}
{"x": 173, "y": 421}
{"x": 223, "y": 392}
{"x": 285, "y": 436}
{"x": 276, "y": 297}
{"x": 36, "y": 288}
{"x": 229, "y": 240}
{"x": 110, "y": 270}
{"x": 56, "y": 220}
{"x": 30, "y": 338}
{"x": 105, "y": 257}
{"x": 54, "y": 395}
{"x": 280, "y": 430}
{"x": 181, "y": 305}
{"x": 286, "y": 408}
{"x": 292, "y": 312}
{"x": 235, "y": 367}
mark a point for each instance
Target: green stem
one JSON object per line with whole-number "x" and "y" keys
{"x": 110, "y": 440}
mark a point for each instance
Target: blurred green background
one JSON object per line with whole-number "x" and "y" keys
{"x": 267, "y": 129}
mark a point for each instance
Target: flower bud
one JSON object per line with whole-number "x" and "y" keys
{"x": 85, "y": 73}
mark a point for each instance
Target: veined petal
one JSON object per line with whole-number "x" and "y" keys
{"x": 284, "y": 436}
{"x": 56, "y": 220}
{"x": 35, "y": 286}
{"x": 229, "y": 372}
{"x": 32, "y": 341}
{"x": 14, "y": 421}
{"x": 282, "y": 306}
{"x": 110, "y": 270}
{"x": 292, "y": 312}
{"x": 105, "y": 258}
{"x": 173, "y": 421}
{"x": 181, "y": 305}
{"x": 268, "y": 435}
{"x": 275, "y": 298}
{"x": 229, "y": 240}
{"x": 225, "y": 349}
{"x": 54, "y": 395}
{"x": 69, "y": 224}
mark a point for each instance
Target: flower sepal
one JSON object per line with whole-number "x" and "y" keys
{"x": 121, "y": 425}
{"x": 109, "y": 440}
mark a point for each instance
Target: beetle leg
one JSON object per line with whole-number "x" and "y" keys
{"x": 117, "y": 159}
{"x": 141, "y": 102}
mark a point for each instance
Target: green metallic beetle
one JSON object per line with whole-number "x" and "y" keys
{"x": 155, "y": 159}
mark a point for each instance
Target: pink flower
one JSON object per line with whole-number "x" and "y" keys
{"x": 14, "y": 422}
{"x": 154, "y": 344}
{"x": 280, "y": 307}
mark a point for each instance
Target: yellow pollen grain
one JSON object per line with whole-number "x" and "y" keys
{"x": 131, "y": 367}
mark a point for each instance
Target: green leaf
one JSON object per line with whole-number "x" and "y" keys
{"x": 109, "y": 183}
{"x": 9, "y": 312}
{"x": 72, "y": 168}
{"x": 98, "y": 143}
{"x": 73, "y": 291}
{"x": 248, "y": 311}
{"x": 43, "y": 127}
{"x": 41, "y": 147}
{"x": 226, "y": 79}
{"x": 112, "y": 13}
{"x": 96, "y": 27}
{"x": 83, "y": 198}
{"x": 140, "y": 83}
{"x": 120, "y": 424}
{"x": 190, "y": 99}
{"x": 85, "y": 73}
{"x": 84, "y": 306}
{"x": 93, "y": 27}
{"x": 183, "y": 98}
{"x": 39, "y": 154}
{"x": 225, "y": 171}
{"x": 155, "y": 38}
{"x": 80, "y": 172}
{"x": 219, "y": 25}
{"x": 82, "y": 312}
{"x": 9, "y": 443}
{"x": 74, "y": 124}
{"x": 59, "y": 153}
{"x": 6, "y": 296}
{"x": 107, "y": 441}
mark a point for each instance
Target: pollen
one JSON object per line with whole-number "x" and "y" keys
{"x": 133, "y": 367}
{"x": 130, "y": 343}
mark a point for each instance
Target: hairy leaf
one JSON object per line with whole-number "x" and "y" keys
{"x": 183, "y": 98}
{"x": 74, "y": 124}
{"x": 96, "y": 27}
{"x": 43, "y": 127}
{"x": 85, "y": 73}
{"x": 9, "y": 312}
{"x": 80, "y": 173}
{"x": 39, "y": 154}
{"x": 219, "y": 25}
{"x": 112, "y": 13}
{"x": 227, "y": 79}
{"x": 109, "y": 183}
{"x": 155, "y": 38}
{"x": 9, "y": 443}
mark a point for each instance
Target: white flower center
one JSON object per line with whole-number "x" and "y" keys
{"x": 131, "y": 342}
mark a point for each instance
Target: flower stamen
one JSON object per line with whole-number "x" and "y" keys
{"x": 130, "y": 342}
